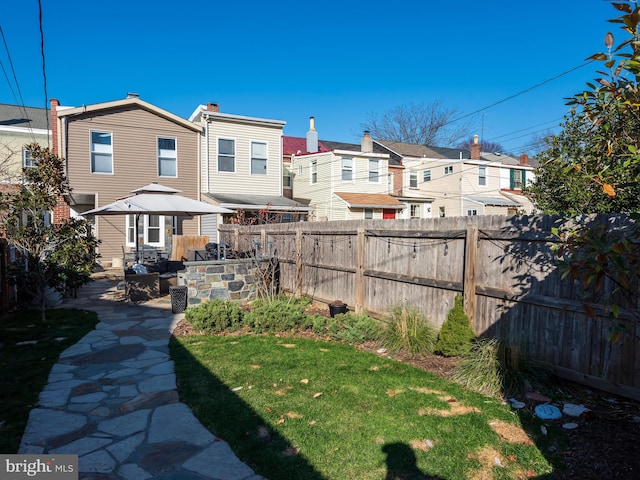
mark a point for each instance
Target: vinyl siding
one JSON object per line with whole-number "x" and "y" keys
{"x": 242, "y": 181}
{"x": 135, "y": 164}
{"x": 11, "y": 144}
{"x": 320, "y": 196}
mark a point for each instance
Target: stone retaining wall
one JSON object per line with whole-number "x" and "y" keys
{"x": 223, "y": 279}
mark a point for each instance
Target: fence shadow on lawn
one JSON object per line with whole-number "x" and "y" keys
{"x": 227, "y": 416}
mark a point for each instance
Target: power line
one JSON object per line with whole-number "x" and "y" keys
{"x": 44, "y": 72}
{"x": 521, "y": 92}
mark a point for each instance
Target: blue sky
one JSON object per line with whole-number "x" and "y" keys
{"x": 339, "y": 61}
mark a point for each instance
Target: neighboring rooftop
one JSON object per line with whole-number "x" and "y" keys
{"x": 23, "y": 117}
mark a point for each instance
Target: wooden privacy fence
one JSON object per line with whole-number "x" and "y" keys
{"x": 504, "y": 266}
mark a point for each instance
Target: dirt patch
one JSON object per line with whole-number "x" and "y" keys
{"x": 509, "y": 432}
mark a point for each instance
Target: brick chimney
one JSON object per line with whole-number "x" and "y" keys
{"x": 367, "y": 143}
{"x": 312, "y": 136}
{"x": 475, "y": 149}
{"x": 524, "y": 159}
{"x": 213, "y": 107}
{"x": 54, "y": 126}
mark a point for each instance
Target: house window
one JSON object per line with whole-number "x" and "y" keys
{"x": 517, "y": 178}
{"x": 414, "y": 209}
{"x": 482, "y": 176}
{"x": 286, "y": 177}
{"x": 472, "y": 212}
{"x": 368, "y": 213}
{"x": 413, "y": 179}
{"x": 426, "y": 176}
{"x": 226, "y": 155}
{"x": 347, "y": 169}
{"x": 441, "y": 212}
{"x": 314, "y": 171}
{"x": 374, "y": 172}
{"x": 27, "y": 159}
{"x": 131, "y": 229}
{"x": 167, "y": 157}
{"x": 299, "y": 169}
{"x": 151, "y": 228}
{"x": 448, "y": 170}
{"x": 101, "y": 152}
{"x": 258, "y": 158}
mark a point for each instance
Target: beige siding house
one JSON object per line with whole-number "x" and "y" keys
{"x": 341, "y": 181}
{"x": 456, "y": 182}
{"x": 241, "y": 168}
{"x": 113, "y": 148}
{"x": 19, "y": 127}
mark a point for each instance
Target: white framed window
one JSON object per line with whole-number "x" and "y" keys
{"x": 448, "y": 170}
{"x": 426, "y": 176}
{"x": 167, "y": 157}
{"x": 347, "y": 169}
{"x": 314, "y": 172}
{"x": 27, "y": 159}
{"x": 300, "y": 169}
{"x": 258, "y": 158}
{"x": 413, "y": 179}
{"x": 374, "y": 170}
{"x": 482, "y": 176}
{"x": 441, "y": 212}
{"x": 414, "y": 210}
{"x": 150, "y": 227}
{"x": 226, "y": 155}
{"x": 368, "y": 213}
{"x": 472, "y": 212}
{"x": 286, "y": 177}
{"x": 101, "y": 152}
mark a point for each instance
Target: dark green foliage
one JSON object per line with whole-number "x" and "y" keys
{"x": 348, "y": 328}
{"x": 59, "y": 254}
{"x": 277, "y": 316}
{"x": 215, "y": 316}
{"x": 456, "y": 334}
{"x": 408, "y": 329}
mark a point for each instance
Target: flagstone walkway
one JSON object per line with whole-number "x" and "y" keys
{"x": 112, "y": 400}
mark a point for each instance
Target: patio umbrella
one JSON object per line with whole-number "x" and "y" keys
{"x": 156, "y": 199}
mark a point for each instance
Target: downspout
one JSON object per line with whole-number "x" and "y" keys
{"x": 206, "y": 155}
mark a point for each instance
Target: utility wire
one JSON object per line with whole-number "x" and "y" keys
{"x": 44, "y": 72}
{"x": 521, "y": 92}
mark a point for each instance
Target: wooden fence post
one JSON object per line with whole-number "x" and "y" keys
{"x": 470, "y": 262}
{"x": 361, "y": 243}
{"x": 298, "y": 286}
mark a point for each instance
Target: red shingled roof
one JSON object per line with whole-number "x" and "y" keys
{"x": 298, "y": 146}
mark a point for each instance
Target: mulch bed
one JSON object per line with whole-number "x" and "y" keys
{"x": 603, "y": 446}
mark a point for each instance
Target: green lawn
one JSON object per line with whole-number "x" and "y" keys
{"x": 24, "y": 369}
{"x": 300, "y": 408}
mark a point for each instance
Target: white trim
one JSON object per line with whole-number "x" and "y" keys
{"x": 235, "y": 155}
{"x": 266, "y": 159}
{"x": 175, "y": 139}
{"x": 27, "y": 130}
{"x": 91, "y": 152}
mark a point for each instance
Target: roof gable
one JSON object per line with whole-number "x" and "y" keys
{"x": 134, "y": 102}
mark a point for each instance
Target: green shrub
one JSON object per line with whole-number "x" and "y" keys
{"x": 279, "y": 315}
{"x": 350, "y": 328}
{"x": 456, "y": 334}
{"x": 215, "y": 316}
{"x": 408, "y": 329}
{"x": 491, "y": 368}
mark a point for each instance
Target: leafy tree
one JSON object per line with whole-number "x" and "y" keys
{"x": 593, "y": 164}
{"x": 419, "y": 124}
{"x": 59, "y": 256}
